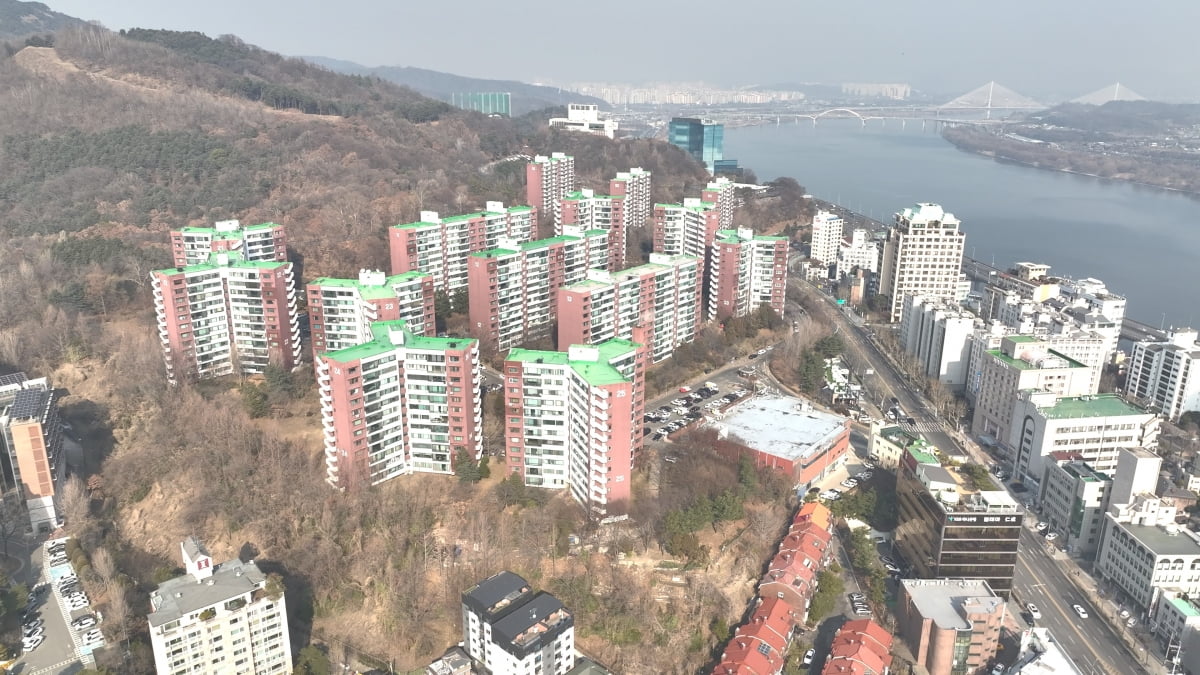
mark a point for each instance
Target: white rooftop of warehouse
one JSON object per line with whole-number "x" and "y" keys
{"x": 782, "y": 426}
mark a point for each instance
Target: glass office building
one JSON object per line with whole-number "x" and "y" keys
{"x": 952, "y": 528}
{"x": 702, "y": 139}
{"x": 488, "y": 103}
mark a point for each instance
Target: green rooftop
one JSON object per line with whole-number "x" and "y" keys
{"x": 703, "y": 206}
{"x": 1184, "y": 607}
{"x": 596, "y": 373}
{"x": 382, "y": 342}
{"x": 922, "y": 457}
{"x": 1098, "y": 405}
{"x": 1022, "y": 338}
{"x": 370, "y": 291}
{"x": 1020, "y": 364}
{"x": 578, "y": 194}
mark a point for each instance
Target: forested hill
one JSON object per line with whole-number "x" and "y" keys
{"x": 19, "y": 19}
{"x": 526, "y": 98}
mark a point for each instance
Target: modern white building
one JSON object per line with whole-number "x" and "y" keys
{"x": 219, "y": 619}
{"x": 860, "y": 252}
{"x": 1096, "y": 426}
{"x": 722, "y": 194}
{"x": 399, "y": 403}
{"x": 585, "y": 118}
{"x": 826, "y": 237}
{"x": 922, "y": 256}
{"x": 938, "y": 333}
{"x": 341, "y": 311}
{"x": 440, "y": 246}
{"x": 1021, "y": 363}
{"x": 574, "y": 419}
{"x": 510, "y": 630}
{"x": 1073, "y": 500}
{"x": 1166, "y": 375}
{"x": 662, "y": 296}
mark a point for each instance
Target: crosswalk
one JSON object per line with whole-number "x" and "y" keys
{"x": 922, "y": 427}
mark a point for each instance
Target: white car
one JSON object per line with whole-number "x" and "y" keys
{"x": 33, "y": 643}
{"x": 35, "y": 632}
{"x": 1041, "y": 527}
{"x": 1034, "y": 611}
{"x": 808, "y": 657}
{"x": 77, "y": 604}
{"x": 1051, "y": 536}
{"x": 85, "y": 621}
{"x": 1080, "y": 611}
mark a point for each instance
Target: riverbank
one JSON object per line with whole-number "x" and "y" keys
{"x": 1175, "y": 176}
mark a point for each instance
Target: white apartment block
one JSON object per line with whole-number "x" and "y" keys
{"x": 938, "y": 333}
{"x": 514, "y": 287}
{"x": 1096, "y": 426}
{"x": 341, "y": 311}
{"x": 1021, "y": 363}
{"x": 1144, "y": 553}
{"x": 227, "y": 316}
{"x": 219, "y": 619}
{"x": 921, "y": 256}
{"x": 686, "y": 229}
{"x": 1166, "y": 375}
{"x": 586, "y": 210}
{"x": 722, "y": 194}
{"x": 440, "y": 246}
{"x": 826, "y": 237}
{"x": 635, "y": 186}
{"x": 662, "y": 297}
{"x": 860, "y": 252}
{"x": 547, "y": 179}
{"x": 510, "y": 630}
{"x": 398, "y": 404}
{"x": 574, "y": 419}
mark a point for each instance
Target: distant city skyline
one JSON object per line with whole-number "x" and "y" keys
{"x": 1051, "y": 51}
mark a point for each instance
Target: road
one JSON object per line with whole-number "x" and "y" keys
{"x": 1091, "y": 642}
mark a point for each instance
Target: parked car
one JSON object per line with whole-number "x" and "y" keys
{"x": 808, "y": 657}
{"x": 684, "y": 390}
{"x": 678, "y": 402}
{"x": 1051, "y": 536}
{"x": 1034, "y": 611}
{"x": 33, "y": 643}
{"x": 93, "y": 636}
{"x": 85, "y": 621}
{"x": 1041, "y": 527}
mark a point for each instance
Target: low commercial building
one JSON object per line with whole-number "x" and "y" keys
{"x": 510, "y": 630}
{"x": 859, "y": 252}
{"x": 1142, "y": 552}
{"x": 1175, "y": 622}
{"x": 662, "y": 296}
{"x": 219, "y": 619}
{"x": 1041, "y": 654}
{"x": 953, "y": 527}
{"x": 33, "y": 444}
{"x": 950, "y": 625}
{"x": 1095, "y": 426}
{"x": 787, "y": 435}
{"x": 399, "y": 404}
{"x": 227, "y": 315}
{"x": 572, "y": 419}
{"x": 440, "y": 246}
{"x": 265, "y": 242}
{"x": 514, "y": 288}
{"x": 889, "y": 444}
{"x": 860, "y": 647}
{"x": 341, "y": 311}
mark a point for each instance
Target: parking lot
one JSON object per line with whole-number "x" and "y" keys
{"x": 62, "y": 648}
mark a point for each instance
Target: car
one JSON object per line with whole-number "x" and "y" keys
{"x": 887, "y": 560}
{"x": 857, "y": 597}
{"x": 808, "y": 657}
{"x": 684, "y": 390}
{"x": 30, "y": 633}
{"x": 1051, "y": 536}
{"x": 911, "y": 421}
{"x": 762, "y": 351}
{"x": 868, "y": 465}
{"x": 998, "y": 669}
{"x": 85, "y": 621}
{"x": 77, "y": 602}
{"x": 670, "y": 460}
{"x": 1124, "y": 614}
{"x": 1034, "y": 611}
{"x": 677, "y": 402}
{"x": 656, "y": 437}
{"x": 32, "y": 644}
{"x": 33, "y": 623}
{"x": 862, "y": 611}
{"x": 755, "y": 355}
{"x": 1041, "y": 527}
{"x": 1080, "y": 611}
{"x": 1131, "y": 621}
{"x": 891, "y": 568}
{"x": 92, "y": 636}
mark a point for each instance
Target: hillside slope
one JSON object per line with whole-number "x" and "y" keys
{"x": 109, "y": 141}
{"x": 526, "y": 98}
{"x": 19, "y": 19}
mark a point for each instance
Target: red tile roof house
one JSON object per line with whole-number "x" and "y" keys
{"x": 861, "y": 647}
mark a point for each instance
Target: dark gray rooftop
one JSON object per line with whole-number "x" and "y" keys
{"x": 497, "y": 594}
{"x": 184, "y": 595}
{"x": 520, "y": 634}
{"x": 30, "y": 404}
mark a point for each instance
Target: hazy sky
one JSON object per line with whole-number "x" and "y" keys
{"x": 1038, "y": 47}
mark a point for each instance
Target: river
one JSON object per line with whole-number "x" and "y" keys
{"x": 1144, "y": 243}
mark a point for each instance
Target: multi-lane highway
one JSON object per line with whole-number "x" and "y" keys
{"x": 1090, "y": 642}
